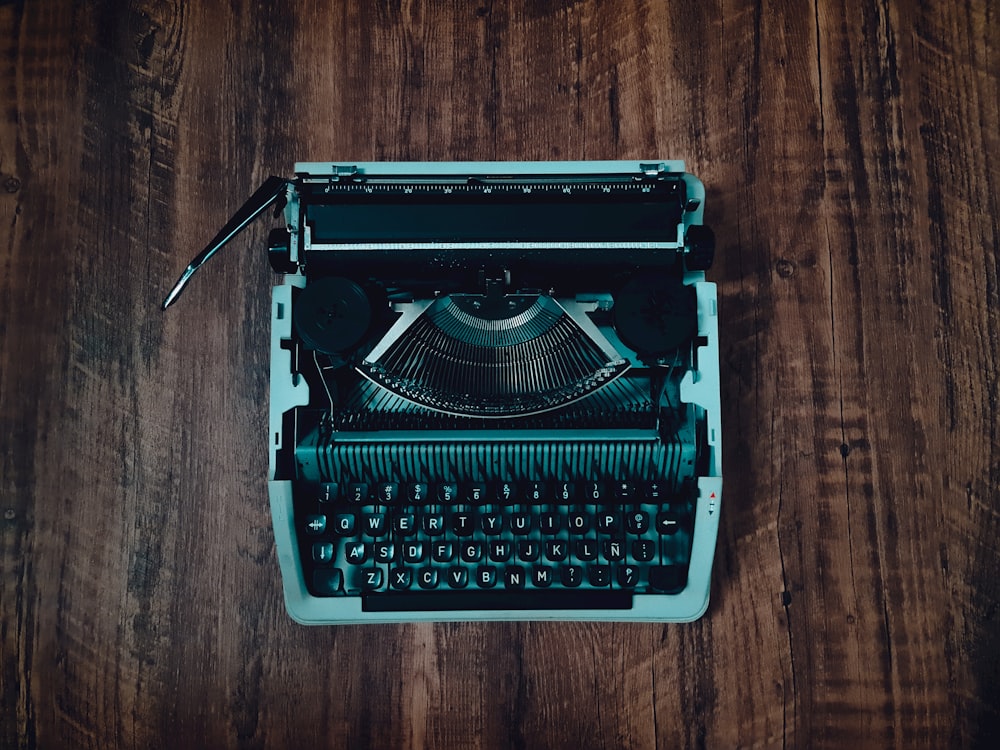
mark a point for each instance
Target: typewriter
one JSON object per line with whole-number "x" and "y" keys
{"x": 494, "y": 390}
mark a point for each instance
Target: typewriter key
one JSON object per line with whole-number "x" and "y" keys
{"x": 332, "y": 315}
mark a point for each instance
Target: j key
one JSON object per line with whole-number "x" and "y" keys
{"x": 329, "y": 492}
{"x": 528, "y": 551}
{"x": 418, "y": 493}
{"x": 447, "y": 493}
{"x": 637, "y": 522}
{"x": 599, "y": 575}
{"x": 387, "y": 493}
{"x": 534, "y": 492}
{"x": 667, "y": 522}
{"x": 357, "y": 493}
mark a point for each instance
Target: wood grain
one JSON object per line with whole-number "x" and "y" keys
{"x": 850, "y": 150}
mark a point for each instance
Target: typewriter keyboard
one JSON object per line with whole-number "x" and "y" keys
{"x": 497, "y": 545}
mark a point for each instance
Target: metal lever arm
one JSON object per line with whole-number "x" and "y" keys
{"x": 272, "y": 189}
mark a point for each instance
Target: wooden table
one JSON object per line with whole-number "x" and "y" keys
{"x": 851, "y": 155}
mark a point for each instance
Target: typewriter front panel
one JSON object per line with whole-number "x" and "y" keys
{"x": 495, "y": 394}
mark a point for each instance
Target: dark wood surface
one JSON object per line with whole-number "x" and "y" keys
{"x": 851, "y": 155}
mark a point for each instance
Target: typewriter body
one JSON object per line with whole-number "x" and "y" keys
{"x": 494, "y": 391}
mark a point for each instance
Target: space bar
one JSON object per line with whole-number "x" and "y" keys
{"x": 447, "y": 601}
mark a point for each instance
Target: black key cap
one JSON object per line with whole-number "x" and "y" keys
{"x": 565, "y": 492}
{"x": 579, "y": 523}
{"x": 387, "y": 493}
{"x": 534, "y": 492}
{"x": 357, "y": 493}
{"x": 315, "y": 524}
{"x": 383, "y": 551}
{"x": 514, "y": 577}
{"x": 628, "y": 576}
{"x": 613, "y": 550}
{"x": 503, "y": 599}
{"x": 607, "y": 522}
{"x": 475, "y": 493}
{"x": 549, "y": 523}
{"x": 374, "y": 525}
{"x": 356, "y": 552}
{"x": 541, "y": 576}
{"x": 586, "y": 549}
{"x": 643, "y": 550}
{"x": 520, "y": 523}
{"x": 599, "y": 575}
{"x": 427, "y": 578}
{"x": 593, "y": 492}
{"x": 344, "y": 523}
{"x": 506, "y": 493}
{"x": 667, "y": 522}
{"x": 486, "y": 576}
{"x": 656, "y": 491}
{"x": 329, "y": 492}
{"x": 322, "y": 553}
{"x": 463, "y": 524}
{"x": 670, "y": 579}
{"x": 472, "y": 551}
{"x": 624, "y": 491}
{"x": 458, "y": 578}
{"x": 555, "y": 550}
{"x": 371, "y": 579}
{"x": 418, "y": 493}
{"x": 447, "y": 493}
{"x": 637, "y": 522}
{"x": 491, "y": 523}
{"x": 413, "y": 552}
{"x": 327, "y": 581}
{"x": 500, "y": 551}
{"x": 442, "y": 552}
{"x": 433, "y": 525}
{"x": 571, "y": 575}
{"x": 400, "y": 579}
{"x": 528, "y": 551}
{"x": 404, "y": 524}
